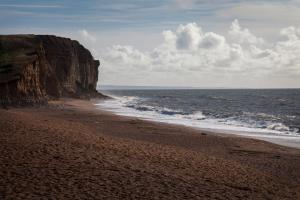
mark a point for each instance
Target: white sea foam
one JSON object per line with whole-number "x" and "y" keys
{"x": 274, "y": 132}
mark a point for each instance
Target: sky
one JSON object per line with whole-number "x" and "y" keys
{"x": 197, "y": 43}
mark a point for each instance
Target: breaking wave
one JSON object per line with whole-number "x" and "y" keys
{"x": 244, "y": 122}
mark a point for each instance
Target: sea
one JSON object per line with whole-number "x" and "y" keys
{"x": 268, "y": 114}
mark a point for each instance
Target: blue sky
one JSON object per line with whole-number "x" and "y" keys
{"x": 112, "y": 17}
{"x": 107, "y": 14}
{"x": 128, "y": 14}
{"x": 136, "y": 26}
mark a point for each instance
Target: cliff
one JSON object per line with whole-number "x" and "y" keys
{"x": 36, "y": 68}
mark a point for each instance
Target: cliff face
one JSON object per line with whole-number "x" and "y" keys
{"x": 36, "y": 68}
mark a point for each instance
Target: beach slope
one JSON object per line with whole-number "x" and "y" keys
{"x": 70, "y": 150}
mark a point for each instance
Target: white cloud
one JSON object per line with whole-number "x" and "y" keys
{"x": 212, "y": 41}
{"x": 188, "y": 36}
{"x": 290, "y": 33}
{"x": 127, "y": 56}
{"x": 191, "y": 52}
{"x": 86, "y": 36}
{"x": 243, "y": 36}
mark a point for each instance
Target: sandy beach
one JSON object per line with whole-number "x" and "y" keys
{"x": 71, "y": 150}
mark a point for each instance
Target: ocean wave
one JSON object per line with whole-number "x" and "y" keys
{"x": 196, "y": 116}
{"x": 263, "y": 125}
{"x": 141, "y": 108}
{"x": 135, "y": 107}
{"x": 278, "y": 127}
{"x": 220, "y": 98}
{"x": 166, "y": 111}
{"x": 261, "y": 115}
{"x": 147, "y": 108}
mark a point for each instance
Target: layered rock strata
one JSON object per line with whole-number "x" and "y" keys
{"x": 36, "y": 68}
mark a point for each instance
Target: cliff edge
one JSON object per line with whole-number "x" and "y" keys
{"x": 36, "y": 68}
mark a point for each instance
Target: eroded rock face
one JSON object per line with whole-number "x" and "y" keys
{"x": 36, "y": 68}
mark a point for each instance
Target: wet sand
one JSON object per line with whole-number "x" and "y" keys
{"x": 71, "y": 150}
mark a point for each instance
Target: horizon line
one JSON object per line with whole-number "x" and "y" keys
{"x": 105, "y": 87}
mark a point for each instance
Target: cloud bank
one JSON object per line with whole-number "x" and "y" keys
{"x": 191, "y": 53}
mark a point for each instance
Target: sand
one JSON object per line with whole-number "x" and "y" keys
{"x": 71, "y": 150}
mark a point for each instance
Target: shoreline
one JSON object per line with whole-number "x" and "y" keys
{"x": 70, "y": 150}
{"x": 275, "y": 138}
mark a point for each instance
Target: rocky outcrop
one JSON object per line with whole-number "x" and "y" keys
{"x": 36, "y": 68}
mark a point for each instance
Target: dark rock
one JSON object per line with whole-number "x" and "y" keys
{"x": 36, "y": 68}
